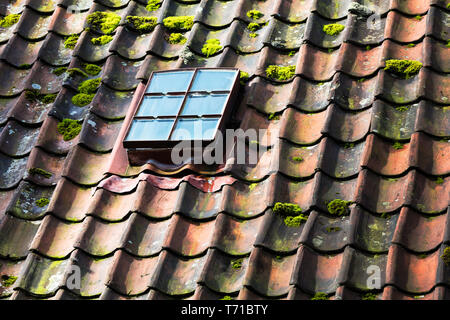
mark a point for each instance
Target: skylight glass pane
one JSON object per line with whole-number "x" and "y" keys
{"x": 158, "y": 106}
{"x": 195, "y": 129}
{"x": 214, "y": 80}
{"x": 170, "y": 81}
{"x": 149, "y": 130}
{"x": 204, "y": 104}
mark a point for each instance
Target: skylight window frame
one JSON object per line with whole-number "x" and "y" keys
{"x": 232, "y": 94}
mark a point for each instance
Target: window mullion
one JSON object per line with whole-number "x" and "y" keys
{"x": 182, "y": 105}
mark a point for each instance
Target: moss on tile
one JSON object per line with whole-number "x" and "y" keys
{"x": 369, "y": 296}
{"x": 102, "y": 40}
{"x": 403, "y": 68}
{"x": 69, "y": 129}
{"x": 177, "y": 38}
{"x": 439, "y": 180}
{"x": 253, "y": 35}
{"x": 280, "y": 73}
{"x": 76, "y": 71}
{"x": 295, "y": 222}
{"x": 237, "y": 264}
{"x": 253, "y": 26}
{"x": 338, "y": 207}
{"x": 59, "y": 71}
{"x": 211, "y": 47}
{"x": 226, "y": 298}
{"x": 333, "y": 229}
{"x": 244, "y": 76}
{"x": 446, "y": 256}
{"x": 153, "y": 5}
{"x": 273, "y": 116}
{"x": 142, "y": 24}
{"x": 9, "y": 20}
{"x": 398, "y": 146}
{"x": 107, "y": 22}
{"x": 92, "y": 69}
{"x": 89, "y": 86}
{"x": 320, "y": 296}
{"x": 42, "y": 202}
{"x": 182, "y": 23}
{"x": 82, "y": 99}
{"x": 71, "y": 41}
{"x": 7, "y": 281}
{"x": 291, "y": 213}
{"x": 39, "y": 171}
{"x": 333, "y": 29}
{"x": 254, "y": 14}
{"x": 48, "y": 98}
{"x": 297, "y": 159}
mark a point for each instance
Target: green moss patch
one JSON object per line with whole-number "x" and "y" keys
{"x": 82, "y": 99}
{"x": 338, "y": 207}
{"x": 7, "y": 281}
{"x": 87, "y": 91}
{"x": 71, "y": 41}
{"x": 333, "y": 29}
{"x": 398, "y": 146}
{"x": 439, "y": 180}
{"x": 39, "y": 171}
{"x": 153, "y": 5}
{"x": 291, "y": 213}
{"x": 254, "y": 14}
{"x": 100, "y": 41}
{"x": 253, "y": 26}
{"x": 226, "y": 298}
{"x": 297, "y": 159}
{"x": 446, "y": 256}
{"x": 176, "y": 38}
{"x": 42, "y": 202}
{"x": 76, "y": 71}
{"x": 211, "y": 47}
{"x": 69, "y": 129}
{"x": 280, "y": 73}
{"x": 59, "y": 71}
{"x": 403, "y": 68}
{"x": 92, "y": 69}
{"x": 9, "y": 20}
{"x": 237, "y": 264}
{"x": 320, "y": 296}
{"x": 142, "y": 24}
{"x": 107, "y": 22}
{"x": 182, "y": 23}
{"x": 33, "y": 95}
{"x": 369, "y": 296}
{"x": 243, "y": 76}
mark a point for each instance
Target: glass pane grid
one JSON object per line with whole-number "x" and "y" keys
{"x": 193, "y": 105}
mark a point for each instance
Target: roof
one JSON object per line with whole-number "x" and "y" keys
{"x": 163, "y": 232}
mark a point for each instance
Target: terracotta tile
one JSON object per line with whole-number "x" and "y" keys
{"x": 346, "y": 126}
{"x": 189, "y": 238}
{"x": 120, "y": 74}
{"x": 314, "y": 272}
{"x": 392, "y": 293}
{"x": 21, "y": 52}
{"x": 130, "y": 275}
{"x": 293, "y": 10}
{"x": 91, "y": 170}
{"x": 353, "y": 94}
{"x": 17, "y": 140}
{"x": 427, "y": 195}
{"x": 11, "y": 171}
{"x": 302, "y": 128}
{"x": 15, "y": 236}
{"x": 100, "y": 238}
{"x": 371, "y": 233}
{"x": 433, "y": 119}
{"x": 276, "y": 282}
{"x": 314, "y": 32}
{"x": 176, "y": 276}
{"x": 223, "y": 273}
{"x": 410, "y": 272}
{"x": 24, "y": 203}
{"x": 70, "y": 201}
{"x": 403, "y": 28}
{"x": 268, "y": 98}
{"x": 55, "y": 238}
{"x": 419, "y": 233}
{"x": 196, "y": 204}
{"x": 111, "y": 104}
{"x": 144, "y": 237}
{"x": 299, "y": 162}
{"x": 109, "y": 206}
{"x": 316, "y": 64}
{"x": 297, "y": 192}
{"x": 8, "y": 270}
{"x": 309, "y": 96}
{"x": 40, "y": 159}
{"x": 381, "y": 156}
{"x": 33, "y": 25}
{"x": 233, "y": 236}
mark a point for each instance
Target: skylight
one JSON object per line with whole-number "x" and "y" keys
{"x": 181, "y": 105}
